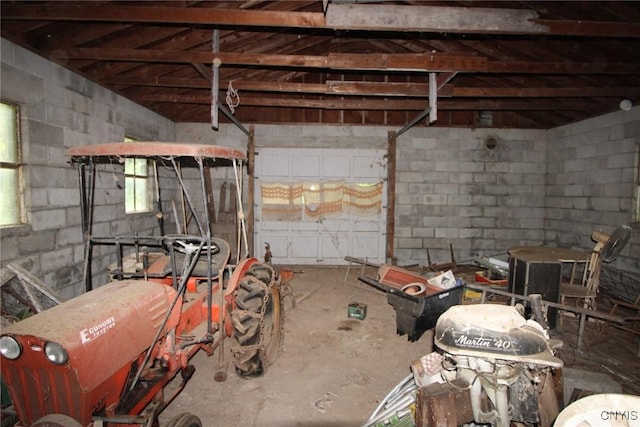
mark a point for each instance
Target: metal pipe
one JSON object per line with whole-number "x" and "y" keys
{"x": 186, "y": 195}
{"x": 242, "y": 223}
{"x": 185, "y": 228}
{"x": 215, "y": 89}
{"x": 84, "y": 219}
{"x": 207, "y": 221}
{"x": 579, "y": 310}
{"x": 502, "y": 406}
{"x": 393, "y": 391}
{"x": 160, "y": 213}
{"x": 433, "y": 98}
{"x": 88, "y": 199}
{"x": 221, "y": 332}
{"x": 393, "y": 408}
{"x": 233, "y": 119}
{"x": 181, "y": 290}
{"x": 413, "y": 122}
{"x": 83, "y": 197}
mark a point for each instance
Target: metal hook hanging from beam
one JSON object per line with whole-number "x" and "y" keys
{"x": 235, "y": 121}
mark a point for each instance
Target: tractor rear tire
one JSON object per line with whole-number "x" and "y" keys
{"x": 185, "y": 420}
{"x": 254, "y": 347}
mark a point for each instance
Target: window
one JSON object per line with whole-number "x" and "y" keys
{"x": 136, "y": 178}
{"x": 10, "y": 167}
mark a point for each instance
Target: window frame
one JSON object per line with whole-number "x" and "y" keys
{"x": 18, "y": 165}
{"x": 135, "y": 178}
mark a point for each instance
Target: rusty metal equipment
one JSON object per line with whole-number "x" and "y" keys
{"x": 415, "y": 312}
{"x": 109, "y": 356}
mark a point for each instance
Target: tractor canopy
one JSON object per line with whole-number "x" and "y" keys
{"x": 178, "y": 177}
{"x": 156, "y": 149}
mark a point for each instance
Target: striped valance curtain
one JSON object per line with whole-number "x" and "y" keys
{"x": 311, "y": 201}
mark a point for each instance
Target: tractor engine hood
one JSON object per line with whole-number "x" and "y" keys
{"x": 102, "y": 330}
{"x": 493, "y": 332}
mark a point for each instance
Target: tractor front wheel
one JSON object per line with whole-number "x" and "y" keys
{"x": 257, "y": 321}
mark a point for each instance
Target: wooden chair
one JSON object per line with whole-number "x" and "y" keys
{"x": 607, "y": 248}
{"x": 586, "y": 291}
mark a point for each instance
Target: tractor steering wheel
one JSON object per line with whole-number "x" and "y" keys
{"x": 188, "y": 244}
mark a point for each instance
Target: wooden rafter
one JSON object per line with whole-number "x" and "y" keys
{"x": 449, "y": 19}
{"x": 415, "y": 62}
{"x": 396, "y": 62}
{"x": 370, "y": 104}
{"x": 294, "y": 64}
{"x": 384, "y": 88}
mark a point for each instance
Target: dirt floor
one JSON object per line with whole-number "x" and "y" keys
{"x": 334, "y": 370}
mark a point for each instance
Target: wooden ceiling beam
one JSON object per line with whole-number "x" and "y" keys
{"x": 372, "y": 104}
{"x": 431, "y": 62}
{"x": 360, "y": 88}
{"x": 159, "y": 14}
{"x": 526, "y": 67}
{"x": 381, "y": 17}
{"x": 539, "y": 92}
{"x": 591, "y": 28}
{"x": 477, "y": 20}
{"x": 363, "y": 17}
{"x": 392, "y": 62}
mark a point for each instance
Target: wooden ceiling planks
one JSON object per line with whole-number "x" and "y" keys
{"x": 551, "y": 63}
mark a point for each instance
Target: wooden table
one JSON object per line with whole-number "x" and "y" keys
{"x": 552, "y": 254}
{"x": 538, "y": 269}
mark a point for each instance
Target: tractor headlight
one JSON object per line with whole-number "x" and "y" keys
{"x": 10, "y": 347}
{"x": 56, "y": 353}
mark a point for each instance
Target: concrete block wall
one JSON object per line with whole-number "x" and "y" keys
{"x": 283, "y": 136}
{"x": 450, "y": 188}
{"x": 534, "y": 188}
{"x": 59, "y": 110}
{"x": 452, "y": 192}
{"x": 592, "y": 173}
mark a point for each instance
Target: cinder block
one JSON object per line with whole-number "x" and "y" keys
{"x": 31, "y": 243}
{"x": 48, "y": 219}
{"x": 587, "y": 381}
{"x": 9, "y": 248}
{"x": 55, "y": 260}
{"x": 33, "y": 64}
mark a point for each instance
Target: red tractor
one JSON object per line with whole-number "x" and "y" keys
{"x": 110, "y": 357}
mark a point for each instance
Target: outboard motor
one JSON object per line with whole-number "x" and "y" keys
{"x": 503, "y": 357}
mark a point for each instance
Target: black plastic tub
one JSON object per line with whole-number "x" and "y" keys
{"x": 417, "y": 314}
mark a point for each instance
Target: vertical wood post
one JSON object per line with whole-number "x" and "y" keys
{"x": 391, "y": 195}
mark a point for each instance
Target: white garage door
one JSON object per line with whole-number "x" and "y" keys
{"x": 326, "y": 240}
